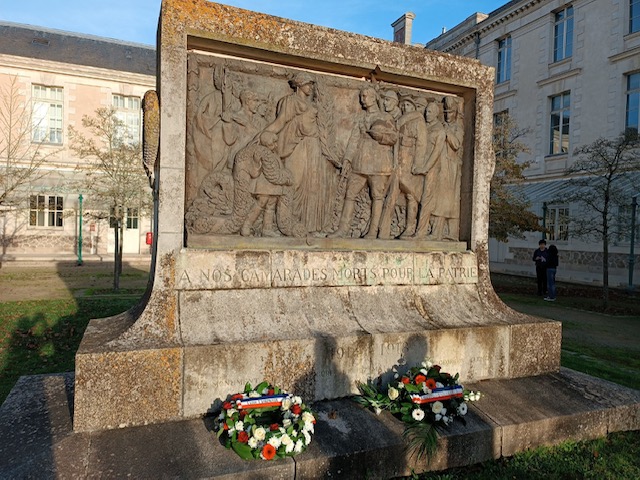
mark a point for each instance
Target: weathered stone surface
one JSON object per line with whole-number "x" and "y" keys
{"x": 124, "y": 388}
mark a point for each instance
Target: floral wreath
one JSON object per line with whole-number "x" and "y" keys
{"x": 265, "y": 422}
{"x": 422, "y": 397}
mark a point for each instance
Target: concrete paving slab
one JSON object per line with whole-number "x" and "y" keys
{"x": 37, "y": 438}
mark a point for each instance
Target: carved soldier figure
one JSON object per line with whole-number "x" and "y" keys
{"x": 242, "y": 125}
{"x": 370, "y": 153}
{"x": 412, "y": 149}
{"x": 429, "y": 168}
{"x": 451, "y": 171}
{"x": 390, "y": 104}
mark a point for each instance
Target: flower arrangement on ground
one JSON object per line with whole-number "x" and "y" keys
{"x": 422, "y": 397}
{"x": 265, "y": 422}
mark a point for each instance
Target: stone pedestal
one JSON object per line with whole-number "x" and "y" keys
{"x": 313, "y": 286}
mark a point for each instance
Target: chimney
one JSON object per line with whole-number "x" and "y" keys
{"x": 402, "y": 28}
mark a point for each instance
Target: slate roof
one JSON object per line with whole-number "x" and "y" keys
{"x": 75, "y": 48}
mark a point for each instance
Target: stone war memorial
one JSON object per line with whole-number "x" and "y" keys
{"x": 322, "y": 203}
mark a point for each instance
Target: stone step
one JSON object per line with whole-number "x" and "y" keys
{"x": 37, "y": 439}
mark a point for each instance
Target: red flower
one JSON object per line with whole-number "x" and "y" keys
{"x": 420, "y": 379}
{"x": 431, "y": 383}
{"x": 227, "y": 405}
{"x": 237, "y": 396}
{"x": 274, "y": 426}
{"x": 268, "y": 451}
{"x": 243, "y": 437}
{"x": 271, "y": 391}
{"x": 225, "y": 426}
{"x": 405, "y": 380}
{"x": 296, "y": 410}
{"x": 243, "y": 414}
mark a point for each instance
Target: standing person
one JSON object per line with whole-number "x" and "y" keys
{"x": 540, "y": 257}
{"x": 552, "y": 265}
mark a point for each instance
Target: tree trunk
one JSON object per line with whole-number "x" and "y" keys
{"x": 605, "y": 267}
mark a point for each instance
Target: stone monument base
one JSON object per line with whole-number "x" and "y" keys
{"x": 315, "y": 332}
{"x": 37, "y": 439}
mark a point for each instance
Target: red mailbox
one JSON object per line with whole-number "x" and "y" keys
{"x": 149, "y": 238}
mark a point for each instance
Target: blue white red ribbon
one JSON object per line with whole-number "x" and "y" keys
{"x": 261, "y": 402}
{"x": 438, "y": 394}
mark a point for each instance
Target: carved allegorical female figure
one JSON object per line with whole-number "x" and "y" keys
{"x": 296, "y": 125}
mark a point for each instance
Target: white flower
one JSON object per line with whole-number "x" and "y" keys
{"x": 253, "y": 442}
{"x": 400, "y": 385}
{"x": 418, "y": 414}
{"x": 466, "y": 397}
{"x": 439, "y": 385}
{"x": 395, "y": 375}
{"x": 377, "y": 410}
{"x": 307, "y": 417}
{"x": 297, "y": 400}
{"x": 299, "y": 446}
{"x": 230, "y": 431}
{"x": 423, "y": 371}
{"x": 308, "y": 427}
{"x": 307, "y": 437}
{"x": 427, "y": 364}
{"x": 462, "y": 409}
{"x": 438, "y": 417}
{"x": 426, "y": 389}
{"x": 254, "y": 394}
{"x": 286, "y": 423}
{"x": 289, "y": 447}
{"x": 437, "y": 407}
{"x": 286, "y": 404}
{"x": 275, "y": 441}
{"x": 443, "y": 411}
{"x": 393, "y": 393}
{"x": 286, "y": 440}
{"x": 239, "y": 425}
{"x": 287, "y": 414}
{"x": 294, "y": 434}
{"x": 446, "y": 420}
{"x": 231, "y": 412}
{"x": 260, "y": 433}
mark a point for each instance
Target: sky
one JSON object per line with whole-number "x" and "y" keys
{"x": 137, "y": 20}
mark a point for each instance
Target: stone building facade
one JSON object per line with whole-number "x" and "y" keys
{"x": 569, "y": 72}
{"x": 60, "y": 77}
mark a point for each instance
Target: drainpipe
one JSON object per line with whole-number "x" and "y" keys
{"x": 544, "y": 220}
{"x": 477, "y": 40}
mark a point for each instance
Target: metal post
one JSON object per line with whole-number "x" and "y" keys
{"x": 544, "y": 220}
{"x": 634, "y": 206}
{"x": 80, "y": 231}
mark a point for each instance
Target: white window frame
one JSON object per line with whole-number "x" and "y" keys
{"x": 503, "y": 65}
{"x": 47, "y": 114}
{"x": 46, "y": 211}
{"x": 559, "y": 121}
{"x": 128, "y": 111}
{"x": 563, "y": 34}
{"x": 632, "y": 112}
{"x": 557, "y": 223}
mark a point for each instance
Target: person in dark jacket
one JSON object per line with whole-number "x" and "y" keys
{"x": 540, "y": 257}
{"x": 552, "y": 266}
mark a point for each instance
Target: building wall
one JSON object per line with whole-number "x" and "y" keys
{"x": 595, "y": 75}
{"x": 85, "y": 87}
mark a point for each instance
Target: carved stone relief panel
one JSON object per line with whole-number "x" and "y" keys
{"x": 283, "y": 152}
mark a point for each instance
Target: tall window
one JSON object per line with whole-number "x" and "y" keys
{"x": 557, "y": 223}
{"x": 503, "y": 72}
{"x": 634, "y": 16}
{"x": 47, "y": 114}
{"x": 128, "y": 112}
{"x": 633, "y": 102}
{"x": 560, "y": 115}
{"x": 132, "y": 218}
{"x": 563, "y": 34}
{"x": 46, "y": 211}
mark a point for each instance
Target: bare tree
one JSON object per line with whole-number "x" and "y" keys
{"x": 113, "y": 174}
{"x": 597, "y": 190}
{"x": 509, "y": 209}
{"x": 21, "y": 158}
